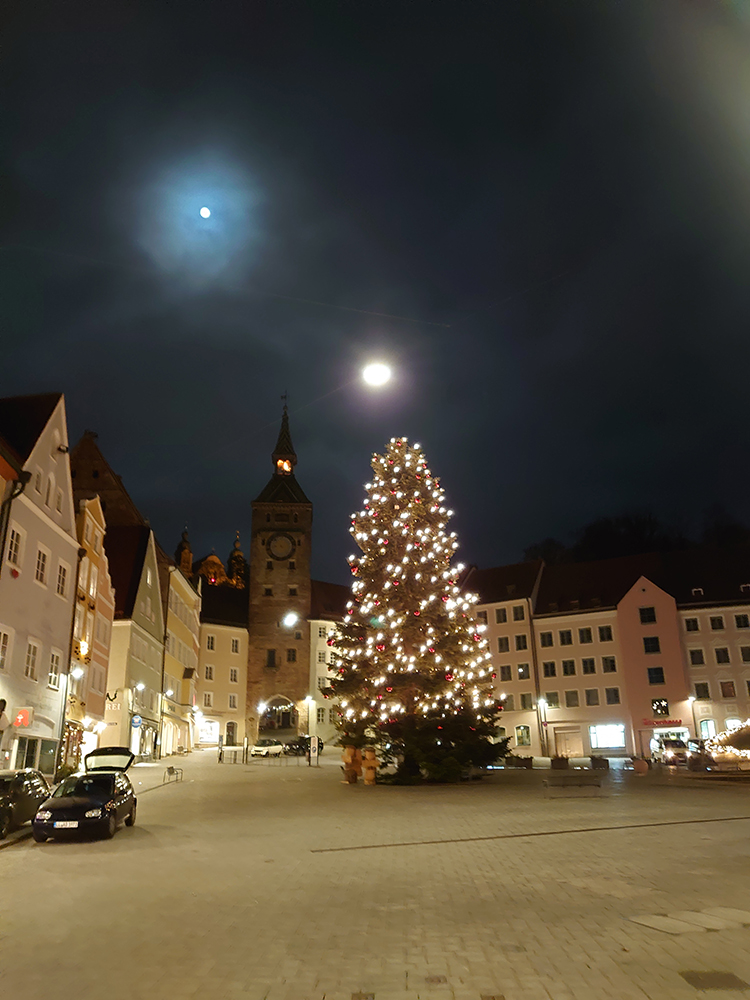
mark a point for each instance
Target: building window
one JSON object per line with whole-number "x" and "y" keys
{"x": 322, "y": 631}
{"x": 727, "y": 689}
{"x": 501, "y": 616}
{"x": 233, "y": 701}
{"x": 48, "y": 491}
{"x": 660, "y": 707}
{"x": 482, "y": 616}
{"x": 549, "y": 669}
{"x": 605, "y": 633}
{"x": 62, "y": 577}
{"x": 208, "y": 699}
{"x": 696, "y": 657}
{"x": 569, "y": 668}
{"x": 292, "y": 591}
{"x": 702, "y": 692}
{"x": 523, "y": 736}
{"x": 584, "y": 636}
{"x": 708, "y": 729}
{"x": 655, "y": 675}
{"x": 59, "y": 501}
{"x": 40, "y": 573}
{"x": 209, "y": 672}
{"x": 717, "y": 622}
{"x": 267, "y": 592}
{"x": 93, "y": 581}
{"x": 747, "y": 682}
{"x": 592, "y": 697}
{"x": 566, "y": 637}
{"x": 552, "y": 698}
{"x": 508, "y": 704}
{"x": 588, "y": 665}
{"x": 523, "y": 672}
{"x": 38, "y": 481}
{"x": 722, "y": 654}
{"x": 321, "y": 715}
{"x": 612, "y": 696}
{"x": 291, "y": 655}
{"x": 321, "y": 656}
{"x": 210, "y": 642}
{"x": 53, "y": 680}
{"x": 235, "y": 645}
{"x": 233, "y": 675}
{"x": 518, "y": 613}
{"x": 503, "y": 644}
{"x": 269, "y": 564}
{"x": 323, "y": 683}
{"x": 505, "y": 672}
{"x": 32, "y": 654}
{"x": 4, "y": 645}
{"x": 292, "y": 564}
{"x": 571, "y": 699}
{"x": 647, "y": 615}
{"x": 14, "y": 547}
{"x": 691, "y": 625}
{"x": 331, "y": 715}
{"x": 651, "y": 644}
{"x": 745, "y": 654}
{"x": 270, "y": 657}
{"x": 527, "y": 701}
{"x": 545, "y": 639}
{"x": 609, "y": 665}
{"x": 521, "y": 642}
{"x": 607, "y": 736}
{"x": 742, "y": 621}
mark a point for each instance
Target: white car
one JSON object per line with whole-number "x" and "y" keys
{"x": 267, "y": 748}
{"x": 670, "y": 751}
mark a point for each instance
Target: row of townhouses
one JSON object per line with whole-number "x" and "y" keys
{"x": 605, "y": 657}
{"x": 107, "y": 640}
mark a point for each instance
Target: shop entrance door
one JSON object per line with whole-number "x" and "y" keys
{"x": 568, "y": 741}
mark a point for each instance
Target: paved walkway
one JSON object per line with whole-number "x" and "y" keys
{"x": 275, "y": 881}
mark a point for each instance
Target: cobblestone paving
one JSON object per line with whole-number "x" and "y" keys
{"x": 275, "y": 881}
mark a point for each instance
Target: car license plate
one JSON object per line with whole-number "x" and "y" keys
{"x": 66, "y": 824}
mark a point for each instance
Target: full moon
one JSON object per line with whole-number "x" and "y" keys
{"x": 376, "y": 374}
{"x": 205, "y": 212}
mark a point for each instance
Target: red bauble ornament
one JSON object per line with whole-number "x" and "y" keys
{"x": 395, "y": 583}
{"x": 477, "y": 637}
{"x": 330, "y": 642}
{"x": 449, "y": 677}
{"x": 431, "y": 649}
{"x": 380, "y": 697}
{"x": 417, "y": 613}
{"x": 494, "y": 677}
{"x": 440, "y": 727}
{"x": 380, "y": 647}
{"x": 389, "y": 689}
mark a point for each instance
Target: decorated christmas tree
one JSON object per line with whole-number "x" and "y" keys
{"x": 414, "y": 677}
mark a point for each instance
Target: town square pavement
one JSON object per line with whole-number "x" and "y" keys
{"x": 276, "y": 881}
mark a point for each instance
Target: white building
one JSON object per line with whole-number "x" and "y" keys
{"x": 37, "y": 580}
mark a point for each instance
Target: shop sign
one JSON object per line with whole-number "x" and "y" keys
{"x": 136, "y": 721}
{"x": 24, "y": 717}
{"x": 662, "y": 722}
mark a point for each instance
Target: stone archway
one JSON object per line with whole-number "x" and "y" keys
{"x": 279, "y": 716}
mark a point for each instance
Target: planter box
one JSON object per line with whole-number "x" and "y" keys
{"x": 559, "y": 763}
{"x": 600, "y": 763}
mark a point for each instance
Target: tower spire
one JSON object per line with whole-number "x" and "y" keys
{"x": 284, "y": 456}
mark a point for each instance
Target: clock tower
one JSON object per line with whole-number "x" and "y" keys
{"x": 278, "y": 667}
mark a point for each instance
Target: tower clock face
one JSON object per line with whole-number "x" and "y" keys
{"x": 280, "y": 545}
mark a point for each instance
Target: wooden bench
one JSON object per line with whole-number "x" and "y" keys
{"x": 172, "y": 773}
{"x": 580, "y": 783}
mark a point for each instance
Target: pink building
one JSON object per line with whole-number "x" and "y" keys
{"x": 604, "y": 657}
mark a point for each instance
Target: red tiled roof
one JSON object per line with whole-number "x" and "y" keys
{"x": 328, "y": 600}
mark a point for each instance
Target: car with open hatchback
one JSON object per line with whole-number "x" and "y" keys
{"x": 96, "y": 800}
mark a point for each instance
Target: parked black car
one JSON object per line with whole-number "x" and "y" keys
{"x": 21, "y": 793}
{"x": 300, "y": 746}
{"x": 94, "y": 801}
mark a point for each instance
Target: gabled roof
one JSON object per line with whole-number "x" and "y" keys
{"x": 502, "y": 583}
{"x": 22, "y": 420}
{"x": 282, "y": 489}
{"x": 328, "y": 600}
{"x": 126, "y": 548}
{"x": 91, "y": 473}
{"x": 223, "y": 605}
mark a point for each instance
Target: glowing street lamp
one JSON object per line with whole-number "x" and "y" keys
{"x": 290, "y": 619}
{"x": 376, "y": 374}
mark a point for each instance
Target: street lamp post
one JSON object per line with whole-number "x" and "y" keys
{"x": 691, "y": 699}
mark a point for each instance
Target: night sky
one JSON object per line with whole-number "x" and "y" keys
{"x": 549, "y": 201}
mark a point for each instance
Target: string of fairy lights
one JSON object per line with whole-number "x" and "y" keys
{"x": 408, "y": 631}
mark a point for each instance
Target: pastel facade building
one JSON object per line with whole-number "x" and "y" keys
{"x": 38, "y": 569}
{"x": 328, "y": 607}
{"x": 221, "y": 689}
{"x": 604, "y": 657}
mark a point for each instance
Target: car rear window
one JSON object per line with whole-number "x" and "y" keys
{"x": 88, "y": 785}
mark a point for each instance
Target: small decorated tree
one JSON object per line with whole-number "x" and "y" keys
{"x": 413, "y": 671}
